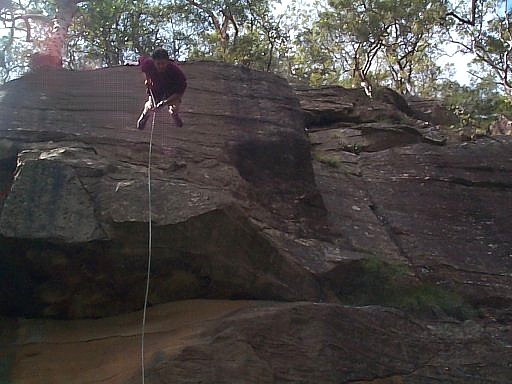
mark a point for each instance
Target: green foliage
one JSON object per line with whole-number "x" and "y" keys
{"x": 14, "y": 55}
{"x": 368, "y": 41}
{"x": 425, "y": 297}
{"x": 16, "y": 43}
{"x": 476, "y": 105}
{"x": 243, "y": 32}
{"x": 112, "y": 31}
{"x": 333, "y": 163}
{"x": 321, "y": 42}
{"x": 413, "y": 43}
{"x": 375, "y": 282}
{"x": 487, "y": 35}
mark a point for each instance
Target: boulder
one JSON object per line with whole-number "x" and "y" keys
{"x": 349, "y": 120}
{"x": 226, "y": 188}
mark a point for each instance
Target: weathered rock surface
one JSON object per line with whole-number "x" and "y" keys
{"x": 211, "y": 341}
{"x": 443, "y": 209}
{"x": 246, "y": 205}
{"x": 433, "y": 111}
{"x": 73, "y": 224}
{"x": 448, "y": 211}
{"x": 350, "y": 120}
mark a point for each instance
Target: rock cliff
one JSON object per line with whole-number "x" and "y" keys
{"x": 306, "y": 236}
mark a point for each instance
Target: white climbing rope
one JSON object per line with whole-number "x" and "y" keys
{"x": 150, "y": 238}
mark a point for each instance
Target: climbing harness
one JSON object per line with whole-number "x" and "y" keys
{"x": 150, "y": 239}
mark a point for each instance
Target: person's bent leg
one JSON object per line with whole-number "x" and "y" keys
{"x": 174, "y": 108}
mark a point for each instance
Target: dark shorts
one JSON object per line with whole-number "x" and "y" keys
{"x": 159, "y": 96}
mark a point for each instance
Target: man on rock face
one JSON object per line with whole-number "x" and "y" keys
{"x": 166, "y": 82}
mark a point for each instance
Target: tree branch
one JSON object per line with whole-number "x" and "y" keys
{"x": 210, "y": 14}
{"x": 471, "y": 21}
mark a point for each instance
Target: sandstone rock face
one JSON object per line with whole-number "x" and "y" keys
{"x": 302, "y": 208}
{"x": 74, "y": 223}
{"x": 210, "y": 341}
{"x": 433, "y": 111}
{"x": 447, "y": 210}
{"x": 48, "y": 201}
{"x": 442, "y": 209}
{"x": 356, "y": 123}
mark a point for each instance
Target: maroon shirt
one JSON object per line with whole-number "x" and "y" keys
{"x": 171, "y": 81}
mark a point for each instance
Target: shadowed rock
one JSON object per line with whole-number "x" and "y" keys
{"x": 440, "y": 209}
{"x": 258, "y": 342}
{"x": 74, "y": 221}
{"x": 347, "y": 119}
{"x": 369, "y": 207}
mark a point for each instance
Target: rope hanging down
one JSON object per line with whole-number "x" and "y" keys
{"x": 150, "y": 239}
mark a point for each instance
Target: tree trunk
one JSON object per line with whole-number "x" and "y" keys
{"x": 53, "y": 46}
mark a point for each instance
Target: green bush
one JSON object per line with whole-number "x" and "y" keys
{"x": 376, "y": 282}
{"x": 333, "y": 163}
